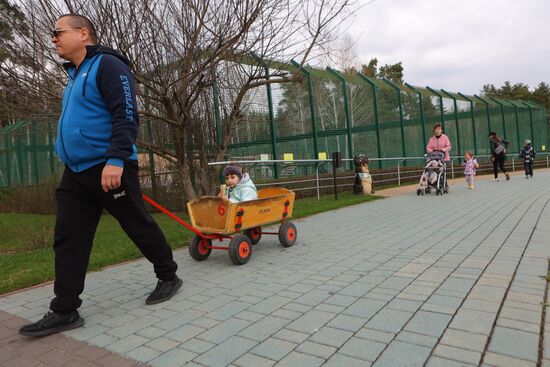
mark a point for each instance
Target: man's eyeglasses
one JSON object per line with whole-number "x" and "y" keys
{"x": 56, "y": 32}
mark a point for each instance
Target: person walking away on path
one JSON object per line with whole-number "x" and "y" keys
{"x": 439, "y": 141}
{"x": 528, "y": 154}
{"x": 498, "y": 151}
{"x": 470, "y": 165}
{"x": 96, "y": 138}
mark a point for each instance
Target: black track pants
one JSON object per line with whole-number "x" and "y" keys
{"x": 80, "y": 203}
{"x": 528, "y": 165}
{"x": 498, "y": 162}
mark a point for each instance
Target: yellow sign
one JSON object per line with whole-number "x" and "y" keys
{"x": 322, "y": 155}
{"x": 288, "y": 156}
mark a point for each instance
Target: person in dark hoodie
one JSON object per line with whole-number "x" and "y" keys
{"x": 498, "y": 154}
{"x": 96, "y": 137}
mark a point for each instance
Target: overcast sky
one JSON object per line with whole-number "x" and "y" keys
{"x": 458, "y": 45}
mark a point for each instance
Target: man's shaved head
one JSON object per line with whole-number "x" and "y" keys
{"x": 80, "y": 21}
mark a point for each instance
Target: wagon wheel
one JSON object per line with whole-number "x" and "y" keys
{"x": 199, "y": 248}
{"x": 255, "y": 234}
{"x": 240, "y": 249}
{"x": 287, "y": 234}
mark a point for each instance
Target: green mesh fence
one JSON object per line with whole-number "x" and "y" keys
{"x": 327, "y": 112}
{"x": 26, "y": 154}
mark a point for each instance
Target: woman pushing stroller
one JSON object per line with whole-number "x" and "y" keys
{"x": 434, "y": 174}
{"x": 439, "y": 141}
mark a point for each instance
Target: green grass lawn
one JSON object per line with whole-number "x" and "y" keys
{"x": 26, "y": 256}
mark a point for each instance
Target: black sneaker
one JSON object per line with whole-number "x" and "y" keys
{"x": 52, "y": 323}
{"x": 507, "y": 176}
{"x": 164, "y": 290}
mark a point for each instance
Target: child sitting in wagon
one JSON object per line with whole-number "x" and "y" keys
{"x": 239, "y": 186}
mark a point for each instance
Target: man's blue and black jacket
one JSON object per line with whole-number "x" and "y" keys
{"x": 99, "y": 120}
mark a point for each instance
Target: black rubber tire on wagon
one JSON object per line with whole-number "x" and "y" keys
{"x": 255, "y": 234}
{"x": 288, "y": 234}
{"x": 240, "y": 249}
{"x": 199, "y": 248}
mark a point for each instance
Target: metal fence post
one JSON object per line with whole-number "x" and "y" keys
{"x": 530, "y": 121}
{"x": 452, "y": 168}
{"x": 401, "y": 122}
{"x": 502, "y": 115}
{"x": 517, "y": 121}
{"x": 472, "y": 116}
{"x": 398, "y": 173}
{"x": 311, "y": 107}
{"x": 36, "y": 168}
{"x": 272, "y": 129}
{"x": 8, "y": 160}
{"x": 317, "y": 178}
{"x": 347, "y": 113}
{"x": 376, "y": 115}
{"x": 422, "y": 117}
{"x": 513, "y": 165}
{"x": 488, "y": 115}
{"x": 456, "y": 120}
{"x": 50, "y": 148}
{"x": 442, "y": 112}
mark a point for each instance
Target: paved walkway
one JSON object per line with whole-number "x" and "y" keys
{"x": 457, "y": 280}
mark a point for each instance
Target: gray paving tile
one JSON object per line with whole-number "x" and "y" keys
{"x": 474, "y": 321}
{"x": 364, "y": 349}
{"x": 388, "y": 320}
{"x": 339, "y": 360}
{"x": 264, "y": 328}
{"x": 458, "y": 354}
{"x": 311, "y": 321}
{"x": 463, "y": 339}
{"x": 418, "y": 339}
{"x": 499, "y": 360}
{"x": 403, "y": 354}
{"x": 251, "y": 360}
{"x": 442, "y": 362}
{"x": 315, "y": 349}
{"x": 296, "y": 359}
{"x": 173, "y": 358}
{"x": 514, "y": 343}
{"x": 274, "y": 349}
{"x": 331, "y": 336}
{"x": 224, "y": 330}
{"x": 428, "y": 323}
{"x": 226, "y": 352}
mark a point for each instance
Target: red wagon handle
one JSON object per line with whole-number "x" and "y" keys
{"x": 173, "y": 216}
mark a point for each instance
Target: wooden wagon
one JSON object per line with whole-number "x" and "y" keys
{"x": 217, "y": 218}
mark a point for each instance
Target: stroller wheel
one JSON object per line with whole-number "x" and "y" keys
{"x": 438, "y": 192}
{"x": 418, "y": 191}
{"x": 428, "y": 190}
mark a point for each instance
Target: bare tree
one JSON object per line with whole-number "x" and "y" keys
{"x": 183, "y": 53}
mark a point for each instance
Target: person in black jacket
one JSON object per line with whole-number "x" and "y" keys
{"x": 498, "y": 150}
{"x": 528, "y": 154}
{"x": 96, "y": 138}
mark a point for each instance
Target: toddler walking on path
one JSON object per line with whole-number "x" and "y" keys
{"x": 470, "y": 165}
{"x": 528, "y": 154}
